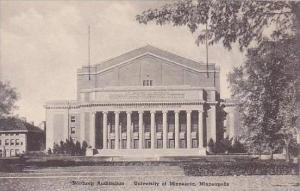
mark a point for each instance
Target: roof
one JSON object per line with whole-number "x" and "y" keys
{"x": 151, "y": 50}
{"x": 15, "y": 124}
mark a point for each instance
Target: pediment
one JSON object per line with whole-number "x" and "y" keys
{"x": 150, "y": 51}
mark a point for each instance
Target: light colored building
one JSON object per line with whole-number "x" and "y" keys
{"x": 146, "y": 102}
{"x": 18, "y": 137}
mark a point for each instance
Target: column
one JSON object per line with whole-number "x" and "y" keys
{"x": 117, "y": 130}
{"x": 153, "y": 131}
{"x": 213, "y": 128}
{"x": 200, "y": 128}
{"x": 176, "y": 129}
{"x": 165, "y": 130}
{"x": 104, "y": 126}
{"x": 128, "y": 129}
{"x": 141, "y": 130}
{"x": 188, "y": 129}
{"x": 92, "y": 129}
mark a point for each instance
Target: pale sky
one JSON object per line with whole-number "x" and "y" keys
{"x": 42, "y": 44}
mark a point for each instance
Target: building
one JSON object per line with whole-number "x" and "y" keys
{"x": 17, "y": 137}
{"x": 146, "y": 102}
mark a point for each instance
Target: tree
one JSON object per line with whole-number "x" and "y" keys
{"x": 229, "y": 21}
{"x": 77, "y": 148}
{"x": 265, "y": 86}
{"x": 83, "y": 148}
{"x": 8, "y": 97}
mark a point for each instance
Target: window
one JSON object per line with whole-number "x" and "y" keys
{"x": 17, "y": 152}
{"x": 17, "y": 134}
{"x": 159, "y": 127}
{"x": 135, "y": 143}
{"x": 171, "y": 128}
{"x": 135, "y": 127}
{"x": 182, "y": 143}
{"x": 194, "y": 127}
{"x": 17, "y": 142}
{"x": 147, "y": 82}
{"x": 171, "y": 143}
{"x": 6, "y": 141}
{"x": 112, "y": 144}
{"x": 194, "y": 143}
{"x": 0, "y": 142}
{"x": 12, "y": 142}
{"x": 124, "y": 141}
{"x": 147, "y": 144}
{"x": 72, "y": 130}
{"x": 0, "y": 153}
{"x": 159, "y": 143}
{"x": 73, "y": 119}
{"x": 12, "y": 152}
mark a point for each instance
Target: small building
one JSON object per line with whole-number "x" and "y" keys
{"x": 18, "y": 137}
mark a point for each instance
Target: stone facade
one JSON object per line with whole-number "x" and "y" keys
{"x": 144, "y": 102}
{"x": 18, "y": 137}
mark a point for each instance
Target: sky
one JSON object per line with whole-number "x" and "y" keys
{"x": 43, "y": 43}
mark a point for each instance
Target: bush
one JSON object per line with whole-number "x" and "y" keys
{"x": 69, "y": 148}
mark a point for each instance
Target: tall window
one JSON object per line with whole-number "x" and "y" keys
{"x": 73, "y": 119}
{"x": 12, "y": 142}
{"x": 17, "y": 142}
{"x": 147, "y": 83}
{"x": 6, "y": 141}
{"x": 72, "y": 130}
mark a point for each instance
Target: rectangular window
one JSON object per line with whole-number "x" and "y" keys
{"x": 171, "y": 128}
{"x": 72, "y": 130}
{"x": 182, "y": 127}
{"x": 147, "y": 128}
{"x": 7, "y": 153}
{"x": 182, "y": 143}
{"x": 147, "y": 82}
{"x": 112, "y": 128}
{"x": 0, "y": 153}
{"x": 147, "y": 144}
{"x": 194, "y": 127}
{"x": 135, "y": 143}
{"x": 171, "y": 143}
{"x": 159, "y": 144}
{"x": 112, "y": 144}
{"x": 6, "y": 141}
{"x": 194, "y": 143}
{"x": 12, "y": 152}
{"x": 0, "y": 142}
{"x": 12, "y": 142}
{"x": 17, "y": 152}
{"x": 124, "y": 141}
{"x": 135, "y": 127}
{"x": 17, "y": 142}
{"x": 159, "y": 127}
{"x": 73, "y": 119}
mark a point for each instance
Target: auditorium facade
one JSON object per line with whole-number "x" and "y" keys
{"x": 146, "y": 102}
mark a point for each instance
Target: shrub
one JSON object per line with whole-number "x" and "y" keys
{"x": 69, "y": 148}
